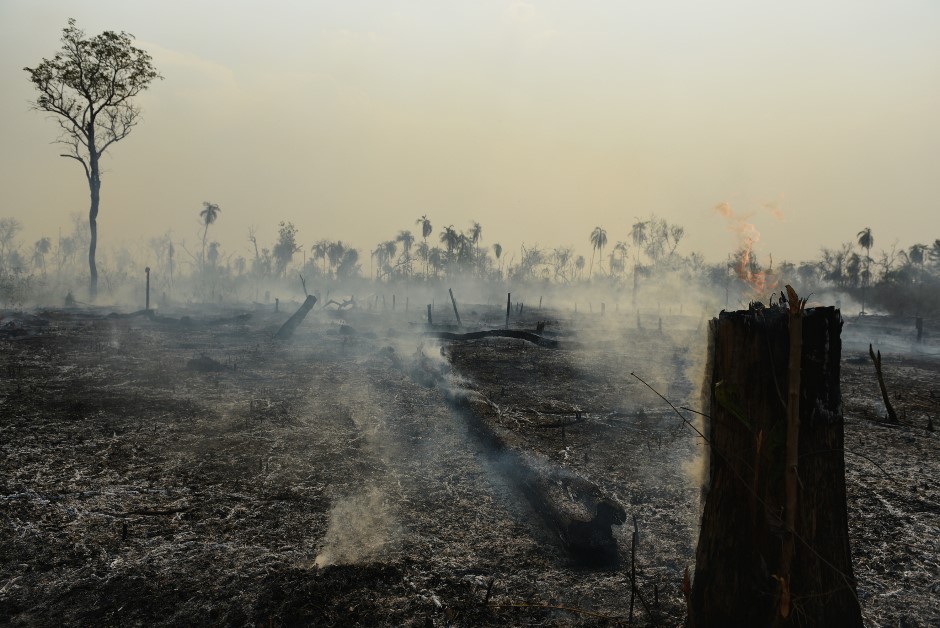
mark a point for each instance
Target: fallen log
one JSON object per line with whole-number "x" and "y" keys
{"x": 287, "y": 329}
{"x": 500, "y": 333}
{"x": 573, "y": 508}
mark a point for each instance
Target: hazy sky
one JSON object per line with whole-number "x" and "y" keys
{"x": 540, "y": 120}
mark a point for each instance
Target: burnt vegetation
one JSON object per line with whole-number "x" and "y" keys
{"x": 443, "y": 430}
{"x": 186, "y": 465}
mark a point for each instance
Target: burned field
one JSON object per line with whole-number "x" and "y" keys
{"x": 190, "y": 468}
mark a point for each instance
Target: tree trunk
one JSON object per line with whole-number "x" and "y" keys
{"x": 742, "y": 576}
{"x": 287, "y": 329}
{"x": 94, "y": 184}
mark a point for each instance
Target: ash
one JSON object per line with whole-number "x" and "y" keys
{"x": 333, "y": 480}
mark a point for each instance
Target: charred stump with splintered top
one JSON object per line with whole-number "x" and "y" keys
{"x": 773, "y": 546}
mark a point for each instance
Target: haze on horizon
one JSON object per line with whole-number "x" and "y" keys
{"x": 540, "y": 120}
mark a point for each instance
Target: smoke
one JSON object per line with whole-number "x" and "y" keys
{"x": 774, "y": 210}
{"x": 361, "y": 526}
{"x": 747, "y": 237}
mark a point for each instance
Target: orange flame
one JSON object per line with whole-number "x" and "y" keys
{"x": 748, "y": 236}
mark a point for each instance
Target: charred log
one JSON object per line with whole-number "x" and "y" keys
{"x": 574, "y": 509}
{"x": 288, "y": 328}
{"x": 500, "y": 333}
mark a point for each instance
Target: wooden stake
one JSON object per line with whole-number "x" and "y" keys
{"x": 453, "y": 302}
{"x": 508, "y": 306}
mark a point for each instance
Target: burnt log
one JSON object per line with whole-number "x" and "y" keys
{"x": 288, "y": 328}
{"x": 575, "y": 510}
{"x": 499, "y": 333}
{"x": 771, "y": 551}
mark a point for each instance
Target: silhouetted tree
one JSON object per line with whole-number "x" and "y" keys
{"x": 209, "y": 214}
{"x": 40, "y": 249}
{"x": 348, "y": 266}
{"x": 620, "y": 247}
{"x": 451, "y": 239}
{"x": 498, "y": 252}
{"x": 933, "y": 253}
{"x": 285, "y": 247}
{"x": 9, "y": 227}
{"x": 319, "y": 252}
{"x": 406, "y": 239}
{"x": 475, "y": 234}
{"x": 212, "y": 256}
{"x": 561, "y": 263}
{"x": 865, "y": 240}
{"x": 334, "y": 253}
{"x": 598, "y": 242}
{"x": 426, "y": 231}
{"x": 90, "y": 85}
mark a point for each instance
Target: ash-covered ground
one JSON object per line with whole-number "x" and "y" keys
{"x": 189, "y": 469}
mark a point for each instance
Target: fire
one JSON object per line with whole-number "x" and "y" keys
{"x": 748, "y": 236}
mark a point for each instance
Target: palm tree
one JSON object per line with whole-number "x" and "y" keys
{"x": 43, "y": 246}
{"x": 209, "y": 214}
{"x": 388, "y": 252}
{"x": 406, "y": 239}
{"x": 916, "y": 254}
{"x": 451, "y": 239}
{"x": 638, "y": 235}
{"x": 423, "y": 251}
{"x": 865, "y": 240}
{"x": 579, "y": 264}
{"x": 934, "y": 252}
{"x": 598, "y": 242}
{"x": 436, "y": 259}
{"x": 426, "y": 230}
{"x": 319, "y": 252}
{"x": 475, "y": 234}
{"x": 498, "y": 252}
{"x": 334, "y": 253}
{"x": 621, "y": 247}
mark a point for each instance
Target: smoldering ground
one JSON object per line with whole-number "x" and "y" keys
{"x": 346, "y": 447}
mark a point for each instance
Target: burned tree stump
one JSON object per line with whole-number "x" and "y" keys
{"x": 766, "y": 557}
{"x": 287, "y": 329}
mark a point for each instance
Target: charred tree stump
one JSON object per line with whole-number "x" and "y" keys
{"x": 287, "y": 329}
{"x": 889, "y": 409}
{"x": 773, "y": 546}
